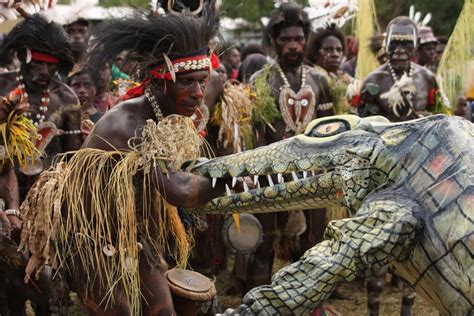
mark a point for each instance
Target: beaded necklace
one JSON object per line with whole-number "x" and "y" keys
{"x": 394, "y": 75}
{"x": 43, "y": 108}
{"x": 297, "y": 109}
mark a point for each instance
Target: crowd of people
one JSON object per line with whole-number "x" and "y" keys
{"x": 107, "y": 91}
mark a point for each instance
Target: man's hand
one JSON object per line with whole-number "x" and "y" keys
{"x": 5, "y": 225}
{"x": 15, "y": 222}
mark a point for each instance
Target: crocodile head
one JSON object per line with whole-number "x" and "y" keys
{"x": 338, "y": 160}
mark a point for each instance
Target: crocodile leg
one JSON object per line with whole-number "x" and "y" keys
{"x": 382, "y": 231}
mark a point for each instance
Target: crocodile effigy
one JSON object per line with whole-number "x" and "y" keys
{"x": 409, "y": 187}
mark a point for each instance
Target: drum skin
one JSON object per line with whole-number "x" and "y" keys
{"x": 247, "y": 239}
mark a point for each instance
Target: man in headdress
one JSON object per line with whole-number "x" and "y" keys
{"x": 135, "y": 151}
{"x": 400, "y": 89}
{"x": 43, "y": 50}
{"x": 51, "y": 106}
{"x": 377, "y": 47}
{"x": 299, "y": 94}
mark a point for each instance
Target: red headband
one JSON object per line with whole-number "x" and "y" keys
{"x": 185, "y": 64}
{"x": 47, "y": 58}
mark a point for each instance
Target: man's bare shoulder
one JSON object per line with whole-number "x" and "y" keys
{"x": 425, "y": 72}
{"x": 316, "y": 75}
{"x": 262, "y": 72}
{"x": 377, "y": 75}
{"x": 118, "y": 125}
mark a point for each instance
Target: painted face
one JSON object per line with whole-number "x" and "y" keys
{"x": 185, "y": 95}
{"x": 330, "y": 54}
{"x": 427, "y": 54}
{"x": 400, "y": 54}
{"x": 83, "y": 87}
{"x": 38, "y": 74}
{"x": 400, "y": 50}
{"x": 234, "y": 57}
{"x": 290, "y": 45}
{"x": 78, "y": 35}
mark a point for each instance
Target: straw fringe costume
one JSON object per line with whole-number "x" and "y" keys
{"x": 102, "y": 215}
{"x": 123, "y": 216}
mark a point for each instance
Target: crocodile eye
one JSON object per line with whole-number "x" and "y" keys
{"x": 326, "y": 129}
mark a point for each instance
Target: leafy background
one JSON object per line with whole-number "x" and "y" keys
{"x": 445, "y": 12}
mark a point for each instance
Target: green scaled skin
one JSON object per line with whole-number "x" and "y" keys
{"x": 409, "y": 186}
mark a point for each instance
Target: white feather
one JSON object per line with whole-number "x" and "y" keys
{"x": 411, "y": 15}
{"x": 417, "y": 17}
{"x": 426, "y": 20}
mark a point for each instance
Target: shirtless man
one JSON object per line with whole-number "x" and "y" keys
{"x": 160, "y": 95}
{"x": 42, "y": 49}
{"x": 384, "y": 91}
{"x": 292, "y": 84}
{"x": 78, "y": 37}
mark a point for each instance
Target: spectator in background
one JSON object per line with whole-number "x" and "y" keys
{"x": 349, "y": 67}
{"x": 377, "y": 47}
{"x": 78, "y": 37}
{"x": 325, "y": 50}
{"x": 81, "y": 82}
{"x": 104, "y": 99}
{"x": 250, "y": 65}
{"x": 231, "y": 59}
{"x": 440, "y": 46}
{"x": 251, "y": 49}
{"x": 426, "y": 51}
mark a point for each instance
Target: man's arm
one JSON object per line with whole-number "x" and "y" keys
{"x": 9, "y": 192}
{"x": 324, "y": 102}
{"x": 72, "y": 119}
{"x": 181, "y": 189}
{"x": 367, "y": 100}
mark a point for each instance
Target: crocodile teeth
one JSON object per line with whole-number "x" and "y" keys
{"x": 214, "y": 180}
{"x": 270, "y": 181}
{"x": 227, "y": 189}
{"x": 234, "y": 181}
{"x": 295, "y": 177}
{"x": 313, "y": 173}
{"x": 280, "y": 178}
{"x": 305, "y": 174}
{"x": 255, "y": 180}
{"x": 246, "y": 187}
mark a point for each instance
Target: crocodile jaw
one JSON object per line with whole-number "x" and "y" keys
{"x": 310, "y": 192}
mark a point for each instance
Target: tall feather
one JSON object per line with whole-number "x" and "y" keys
{"x": 148, "y": 38}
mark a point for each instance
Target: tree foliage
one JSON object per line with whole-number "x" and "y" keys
{"x": 444, "y": 13}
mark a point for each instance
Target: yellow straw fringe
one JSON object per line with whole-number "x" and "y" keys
{"x": 18, "y": 136}
{"x": 453, "y": 69}
{"x": 107, "y": 230}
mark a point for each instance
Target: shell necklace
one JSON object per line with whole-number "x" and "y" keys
{"x": 43, "y": 108}
{"x": 297, "y": 109}
{"x": 154, "y": 104}
{"x": 394, "y": 75}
